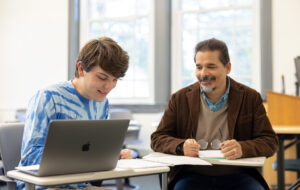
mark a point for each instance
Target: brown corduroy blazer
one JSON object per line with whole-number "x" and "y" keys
{"x": 246, "y": 117}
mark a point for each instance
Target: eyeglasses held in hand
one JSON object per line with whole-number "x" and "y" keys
{"x": 214, "y": 144}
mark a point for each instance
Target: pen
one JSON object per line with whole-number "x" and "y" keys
{"x": 221, "y": 134}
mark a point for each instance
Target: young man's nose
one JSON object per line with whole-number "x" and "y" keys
{"x": 109, "y": 85}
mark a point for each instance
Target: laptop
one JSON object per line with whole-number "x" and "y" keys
{"x": 78, "y": 146}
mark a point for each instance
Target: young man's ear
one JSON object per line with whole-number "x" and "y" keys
{"x": 80, "y": 69}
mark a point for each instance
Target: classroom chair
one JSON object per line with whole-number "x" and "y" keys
{"x": 10, "y": 145}
{"x": 291, "y": 165}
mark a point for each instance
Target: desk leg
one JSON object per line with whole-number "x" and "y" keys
{"x": 119, "y": 183}
{"x": 29, "y": 186}
{"x": 280, "y": 165}
{"x": 164, "y": 181}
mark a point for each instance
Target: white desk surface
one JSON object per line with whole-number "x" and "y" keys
{"x": 171, "y": 159}
{"x": 287, "y": 129}
{"x": 246, "y": 162}
{"x": 85, "y": 177}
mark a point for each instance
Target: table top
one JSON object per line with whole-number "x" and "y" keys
{"x": 173, "y": 160}
{"x": 287, "y": 129}
{"x": 246, "y": 162}
{"x": 85, "y": 177}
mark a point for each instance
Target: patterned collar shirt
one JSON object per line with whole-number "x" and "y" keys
{"x": 221, "y": 102}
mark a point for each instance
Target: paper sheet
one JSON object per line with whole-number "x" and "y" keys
{"x": 175, "y": 160}
{"x": 185, "y": 160}
{"x": 256, "y": 161}
{"x": 28, "y": 168}
{"x": 210, "y": 154}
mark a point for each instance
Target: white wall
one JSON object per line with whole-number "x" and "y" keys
{"x": 33, "y": 50}
{"x": 286, "y": 43}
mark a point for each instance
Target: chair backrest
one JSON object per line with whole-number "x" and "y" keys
{"x": 11, "y": 135}
{"x": 120, "y": 113}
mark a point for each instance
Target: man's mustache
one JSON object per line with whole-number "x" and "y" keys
{"x": 207, "y": 78}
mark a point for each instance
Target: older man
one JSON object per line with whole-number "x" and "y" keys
{"x": 216, "y": 112}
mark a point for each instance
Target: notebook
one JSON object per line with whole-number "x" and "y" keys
{"x": 77, "y": 146}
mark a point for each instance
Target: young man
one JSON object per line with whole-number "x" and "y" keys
{"x": 100, "y": 63}
{"x": 215, "y": 107}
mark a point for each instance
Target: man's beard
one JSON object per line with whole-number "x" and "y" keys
{"x": 207, "y": 79}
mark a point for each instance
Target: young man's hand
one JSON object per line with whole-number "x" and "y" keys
{"x": 231, "y": 149}
{"x": 125, "y": 154}
{"x": 191, "y": 148}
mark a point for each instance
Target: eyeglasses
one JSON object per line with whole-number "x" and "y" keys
{"x": 214, "y": 144}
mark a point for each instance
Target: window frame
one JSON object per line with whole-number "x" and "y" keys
{"x": 164, "y": 81}
{"x": 84, "y": 37}
{"x": 176, "y": 34}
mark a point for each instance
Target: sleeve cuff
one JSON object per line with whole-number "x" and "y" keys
{"x": 179, "y": 149}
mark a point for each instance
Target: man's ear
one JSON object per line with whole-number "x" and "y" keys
{"x": 228, "y": 67}
{"x": 80, "y": 69}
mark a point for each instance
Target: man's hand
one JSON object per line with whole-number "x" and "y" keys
{"x": 231, "y": 149}
{"x": 191, "y": 148}
{"x": 125, "y": 154}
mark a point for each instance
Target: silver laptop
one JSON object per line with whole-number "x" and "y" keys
{"x": 77, "y": 146}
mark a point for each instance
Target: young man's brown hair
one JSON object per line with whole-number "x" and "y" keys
{"x": 105, "y": 53}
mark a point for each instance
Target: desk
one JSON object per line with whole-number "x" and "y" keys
{"x": 283, "y": 132}
{"x": 31, "y": 180}
{"x": 174, "y": 160}
{"x": 256, "y": 162}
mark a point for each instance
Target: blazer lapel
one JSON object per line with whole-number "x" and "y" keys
{"x": 234, "y": 104}
{"x": 193, "y": 97}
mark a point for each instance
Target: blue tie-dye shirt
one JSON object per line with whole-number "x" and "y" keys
{"x": 59, "y": 101}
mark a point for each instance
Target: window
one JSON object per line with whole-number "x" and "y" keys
{"x": 129, "y": 23}
{"x": 160, "y": 36}
{"x": 233, "y": 21}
